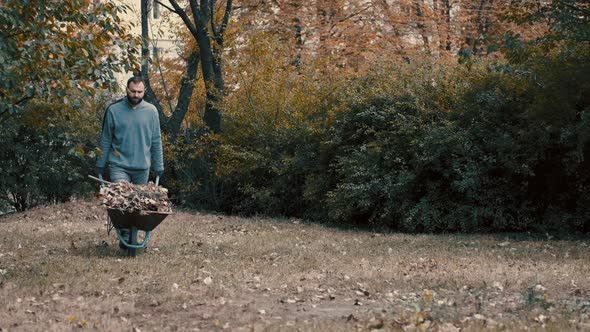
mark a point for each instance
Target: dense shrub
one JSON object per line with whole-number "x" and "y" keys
{"x": 275, "y": 173}
{"x": 46, "y": 154}
{"x": 417, "y": 148}
{"x": 190, "y": 173}
{"x": 489, "y": 163}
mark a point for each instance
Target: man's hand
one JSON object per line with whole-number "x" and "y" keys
{"x": 159, "y": 173}
{"x": 98, "y": 170}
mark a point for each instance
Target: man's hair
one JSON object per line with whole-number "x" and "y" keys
{"x": 135, "y": 79}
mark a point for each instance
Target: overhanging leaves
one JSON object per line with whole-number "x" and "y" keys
{"x": 52, "y": 49}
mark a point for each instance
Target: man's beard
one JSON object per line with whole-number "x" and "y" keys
{"x": 134, "y": 101}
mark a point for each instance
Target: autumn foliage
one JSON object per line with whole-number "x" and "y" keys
{"x": 497, "y": 144}
{"x": 469, "y": 130}
{"x": 60, "y": 49}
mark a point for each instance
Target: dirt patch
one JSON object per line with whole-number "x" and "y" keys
{"x": 60, "y": 271}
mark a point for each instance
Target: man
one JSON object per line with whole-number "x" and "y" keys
{"x": 131, "y": 137}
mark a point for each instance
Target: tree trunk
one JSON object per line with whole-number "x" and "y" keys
{"x": 212, "y": 116}
{"x": 187, "y": 86}
{"x": 149, "y": 96}
{"x": 202, "y": 15}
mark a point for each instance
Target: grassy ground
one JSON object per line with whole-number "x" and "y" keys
{"x": 212, "y": 272}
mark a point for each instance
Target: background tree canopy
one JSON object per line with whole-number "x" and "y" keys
{"x": 483, "y": 141}
{"x": 57, "y": 49}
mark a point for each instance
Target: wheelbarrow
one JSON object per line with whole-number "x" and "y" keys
{"x": 128, "y": 224}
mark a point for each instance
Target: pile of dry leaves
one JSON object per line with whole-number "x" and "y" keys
{"x": 130, "y": 197}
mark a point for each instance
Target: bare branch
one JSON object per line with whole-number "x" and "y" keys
{"x": 226, "y": 17}
{"x": 218, "y": 33}
{"x": 180, "y": 12}
{"x": 212, "y": 15}
{"x": 172, "y": 10}
{"x": 355, "y": 14}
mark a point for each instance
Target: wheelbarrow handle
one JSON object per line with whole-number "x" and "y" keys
{"x": 99, "y": 179}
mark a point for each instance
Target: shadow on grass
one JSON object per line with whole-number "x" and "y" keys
{"x": 104, "y": 250}
{"x": 539, "y": 234}
{"x": 534, "y": 237}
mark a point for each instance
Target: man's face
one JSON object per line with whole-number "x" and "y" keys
{"x": 135, "y": 92}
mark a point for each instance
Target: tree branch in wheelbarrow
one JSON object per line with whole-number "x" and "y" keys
{"x": 131, "y": 198}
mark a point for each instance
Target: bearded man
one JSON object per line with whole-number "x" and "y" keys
{"x": 131, "y": 139}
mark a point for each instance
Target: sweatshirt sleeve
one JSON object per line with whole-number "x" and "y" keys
{"x": 106, "y": 138}
{"x": 157, "y": 150}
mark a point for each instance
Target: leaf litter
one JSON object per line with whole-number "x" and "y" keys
{"x": 313, "y": 288}
{"x": 129, "y": 197}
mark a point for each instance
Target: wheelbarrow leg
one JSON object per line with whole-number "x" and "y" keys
{"x": 124, "y": 232}
{"x": 132, "y": 240}
{"x": 128, "y": 239}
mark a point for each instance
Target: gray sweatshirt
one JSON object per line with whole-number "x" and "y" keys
{"x": 131, "y": 137}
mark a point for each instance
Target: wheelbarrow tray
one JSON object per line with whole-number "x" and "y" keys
{"x": 144, "y": 220}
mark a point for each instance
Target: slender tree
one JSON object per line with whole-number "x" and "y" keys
{"x": 145, "y": 60}
{"x": 200, "y": 18}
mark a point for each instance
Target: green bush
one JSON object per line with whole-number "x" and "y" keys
{"x": 417, "y": 148}
{"x": 274, "y": 174}
{"x": 488, "y": 164}
{"x": 45, "y": 154}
